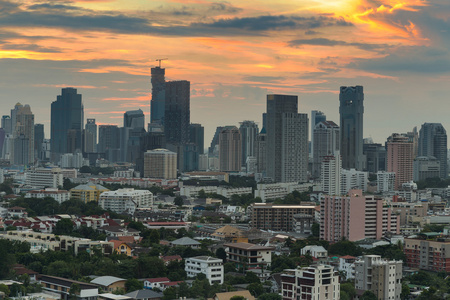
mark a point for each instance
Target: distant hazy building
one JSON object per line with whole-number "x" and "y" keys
{"x": 261, "y": 151}
{"x": 325, "y": 143}
{"x": 177, "y": 112}
{"x": 399, "y": 152}
{"x": 375, "y": 157}
{"x": 160, "y": 163}
{"x": 197, "y": 136}
{"x": 382, "y": 277}
{"x": 157, "y": 104}
{"x": 433, "y": 142}
{"x": 90, "y": 136}
{"x": 230, "y": 149}
{"x": 249, "y": 131}
{"x": 108, "y": 140}
{"x": 23, "y": 134}
{"x": 213, "y": 149}
{"x": 6, "y": 124}
{"x": 287, "y": 140}
{"x": 134, "y": 119}
{"x": 316, "y": 118}
{"x": 351, "y": 110}
{"x": 330, "y": 175}
{"x": 67, "y": 115}
{"x": 426, "y": 167}
{"x": 39, "y": 137}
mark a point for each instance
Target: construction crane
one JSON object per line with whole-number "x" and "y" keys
{"x": 160, "y": 59}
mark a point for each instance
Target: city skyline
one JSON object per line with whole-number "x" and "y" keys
{"x": 234, "y": 54}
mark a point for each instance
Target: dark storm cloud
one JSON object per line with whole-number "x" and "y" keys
{"x": 30, "y": 47}
{"x": 69, "y": 17}
{"x": 332, "y": 43}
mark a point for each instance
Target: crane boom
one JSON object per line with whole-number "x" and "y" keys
{"x": 160, "y": 59}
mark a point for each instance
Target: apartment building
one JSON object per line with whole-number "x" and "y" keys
{"x": 355, "y": 217}
{"x": 63, "y": 287}
{"x": 59, "y": 195}
{"x": 249, "y": 255}
{"x": 431, "y": 255}
{"x": 125, "y": 200}
{"x": 44, "y": 177}
{"x": 210, "y": 266}
{"x": 382, "y": 277}
{"x": 268, "y": 216}
{"x": 87, "y": 192}
{"x": 314, "y": 282}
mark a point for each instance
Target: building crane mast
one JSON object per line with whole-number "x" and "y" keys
{"x": 159, "y": 60}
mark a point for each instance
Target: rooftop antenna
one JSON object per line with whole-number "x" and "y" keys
{"x": 160, "y": 59}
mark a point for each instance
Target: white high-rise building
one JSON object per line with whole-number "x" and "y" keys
{"x": 326, "y": 142}
{"x": 382, "y": 277}
{"x": 385, "y": 181}
{"x": 353, "y": 179}
{"x": 330, "y": 175}
{"x": 125, "y": 200}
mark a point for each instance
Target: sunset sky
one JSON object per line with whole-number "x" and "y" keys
{"x": 233, "y": 53}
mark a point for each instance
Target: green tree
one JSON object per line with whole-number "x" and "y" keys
{"x": 345, "y": 248}
{"x": 178, "y": 201}
{"x": 269, "y": 296}
{"x": 368, "y": 295}
{"x": 133, "y": 284}
{"x": 64, "y": 227}
{"x": 405, "y": 292}
{"x": 4, "y": 288}
{"x": 237, "y": 298}
{"x": 315, "y": 229}
{"x": 349, "y": 289}
{"x": 74, "y": 291}
{"x": 256, "y": 289}
{"x": 222, "y": 254}
{"x": 170, "y": 293}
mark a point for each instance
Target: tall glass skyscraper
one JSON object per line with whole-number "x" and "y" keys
{"x": 67, "y": 118}
{"x": 351, "y": 110}
{"x": 157, "y": 104}
{"x": 433, "y": 142}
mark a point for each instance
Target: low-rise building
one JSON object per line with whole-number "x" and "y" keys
{"x": 109, "y": 283}
{"x": 428, "y": 254}
{"x": 125, "y": 200}
{"x": 186, "y": 242}
{"x": 211, "y": 267}
{"x": 313, "y": 282}
{"x": 314, "y": 251}
{"x": 347, "y": 265}
{"x": 249, "y": 255}
{"x": 269, "y": 191}
{"x": 63, "y": 287}
{"x": 59, "y": 195}
{"x": 152, "y": 283}
{"x": 87, "y": 192}
{"x": 44, "y": 177}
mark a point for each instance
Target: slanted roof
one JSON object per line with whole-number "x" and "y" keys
{"x": 248, "y": 246}
{"x": 144, "y": 294}
{"x": 228, "y": 295}
{"x": 106, "y": 280}
{"x": 160, "y": 279}
{"x": 185, "y": 241}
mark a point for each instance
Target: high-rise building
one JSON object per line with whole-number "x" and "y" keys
{"x": 355, "y": 217}
{"x": 375, "y": 157}
{"x": 324, "y": 143}
{"x": 249, "y": 131}
{"x": 382, "y": 277}
{"x": 426, "y": 167}
{"x": 287, "y": 140}
{"x": 330, "y": 175}
{"x": 351, "y": 110}
{"x": 160, "y": 163}
{"x": 197, "y": 136}
{"x": 316, "y": 118}
{"x": 213, "y": 148}
{"x": 157, "y": 104}
{"x": 23, "y": 134}
{"x": 261, "y": 151}
{"x": 433, "y": 142}
{"x": 230, "y": 149}
{"x": 67, "y": 114}
{"x": 39, "y": 137}
{"x": 134, "y": 119}
{"x": 90, "y": 136}
{"x": 109, "y": 141}
{"x": 353, "y": 179}
{"x": 385, "y": 181}
{"x": 6, "y": 124}
{"x": 399, "y": 152}
{"x": 177, "y": 112}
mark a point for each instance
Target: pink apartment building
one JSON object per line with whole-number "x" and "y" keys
{"x": 355, "y": 217}
{"x": 400, "y": 158}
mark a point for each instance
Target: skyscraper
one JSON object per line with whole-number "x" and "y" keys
{"x": 39, "y": 137}
{"x": 90, "y": 136}
{"x": 351, "y": 110}
{"x": 177, "y": 112}
{"x": 158, "y": 95}
{"x": 287, "y": 140}
{"x": 67, "y": 114}
{"x": 316, "y": 118}
{"x": 433, "y": 142}
{"x": 249, "y": 131}
{"x": 215, "y": 142}
{"x": 230, "y": 149}
{"x": 399, "y": 153}
{"x": 109, "y": 141}
{"x": 23, "y": 135}
{"x": 326, "y": 141}
{"x": 197, "y": 136}
{"x": 134, "y": 119}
